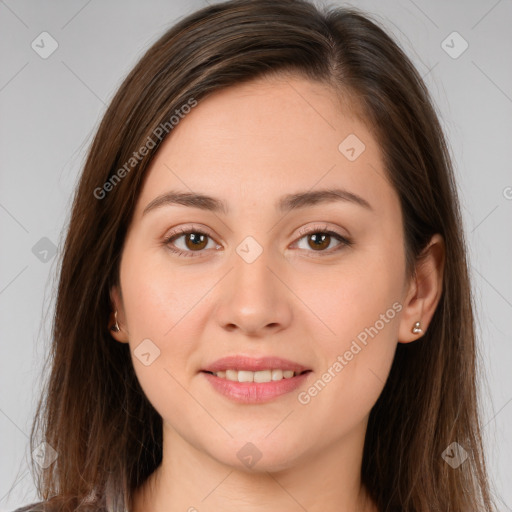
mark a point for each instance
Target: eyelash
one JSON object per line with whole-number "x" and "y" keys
{"x": 344, "y": 242}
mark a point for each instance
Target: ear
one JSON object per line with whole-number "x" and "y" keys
{"x": 424, "y": 290}
{"x": 117, "y": 305}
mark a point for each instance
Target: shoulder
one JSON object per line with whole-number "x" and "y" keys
{"x": 35, "y": 507}
{"x": 45, "y": 506}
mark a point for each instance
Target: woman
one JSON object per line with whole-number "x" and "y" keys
{"x": 264, "y": 300}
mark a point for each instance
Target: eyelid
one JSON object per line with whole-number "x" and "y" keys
{"x": 304, "y": 231}
{"x": 344, "y": 240}
{"x": 317, "y": 228}
{"x": 185, "y": 229}
{"x": 188, "y": 228}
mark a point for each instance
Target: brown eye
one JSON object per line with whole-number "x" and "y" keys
{"x": 319, "y": 241}
{"x": 195, "y": 241}
{"x": 186, "y": 243}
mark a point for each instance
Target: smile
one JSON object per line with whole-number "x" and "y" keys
{"x": 254, "y": 392}
{"x": 259, "y": 376}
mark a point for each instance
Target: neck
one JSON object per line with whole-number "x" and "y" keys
{"x": 189, "y": 479}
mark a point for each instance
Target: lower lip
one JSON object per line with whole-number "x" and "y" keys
{"x": 255, "y": 392}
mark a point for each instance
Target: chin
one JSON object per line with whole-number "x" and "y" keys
{"x": 259, "y": 455}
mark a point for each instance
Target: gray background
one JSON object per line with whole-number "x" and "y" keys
{"x": 51, "y": 107}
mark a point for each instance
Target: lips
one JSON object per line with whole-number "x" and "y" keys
{"x": 241, "y": 363}
{"x": 252, "y": 384}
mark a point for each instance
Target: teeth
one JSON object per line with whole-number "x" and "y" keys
{"x": 231, "y": 375}
{"x": 260, "y": 376}
{"x": 244, "y": 376}
{"x": 277, "y": 374}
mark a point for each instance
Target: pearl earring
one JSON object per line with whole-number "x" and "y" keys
{"x": 416, "y": 329}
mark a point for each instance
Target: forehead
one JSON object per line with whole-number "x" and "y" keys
{"x": 267, "y": 138}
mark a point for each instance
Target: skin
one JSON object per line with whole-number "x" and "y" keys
{"x": 249, "y": 145}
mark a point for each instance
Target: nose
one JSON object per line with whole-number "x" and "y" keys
{"x": 253, "y": 298}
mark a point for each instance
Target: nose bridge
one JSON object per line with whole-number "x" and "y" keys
{"x": 254, "y": 298}
{"x": 253, "y": 280}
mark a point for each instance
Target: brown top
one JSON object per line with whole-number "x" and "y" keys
{"x": 35, "y": 507}
{"x": 42, "y": 506}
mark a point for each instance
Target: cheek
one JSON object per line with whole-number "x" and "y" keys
{"x": 354, "y": 369}
{"x": 159, "y": 296}
{"x": 160, "y": 305}
{"x": 348, "y": 299}
{"x": 163, "y": 336}
{"x": 362, "y": 309}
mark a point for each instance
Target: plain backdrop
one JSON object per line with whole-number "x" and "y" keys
{"x": 51, "y": 105}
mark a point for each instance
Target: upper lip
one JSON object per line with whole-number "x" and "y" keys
{"x": 240, "y": 362}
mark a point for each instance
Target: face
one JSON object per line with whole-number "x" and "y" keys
{"x": 281, "y": 268}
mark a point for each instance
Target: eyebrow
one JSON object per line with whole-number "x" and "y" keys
{"x": 285, "y": 204}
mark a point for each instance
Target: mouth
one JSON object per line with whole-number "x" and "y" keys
{"x": 261, "y": 376}
{"x": 251, "y": 381}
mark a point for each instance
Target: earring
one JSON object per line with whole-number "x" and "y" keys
{"x": 115, "y": 327}
{"x": 416, "y": 328}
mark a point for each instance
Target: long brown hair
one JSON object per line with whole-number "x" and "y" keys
{"x": 93, "y": 411}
